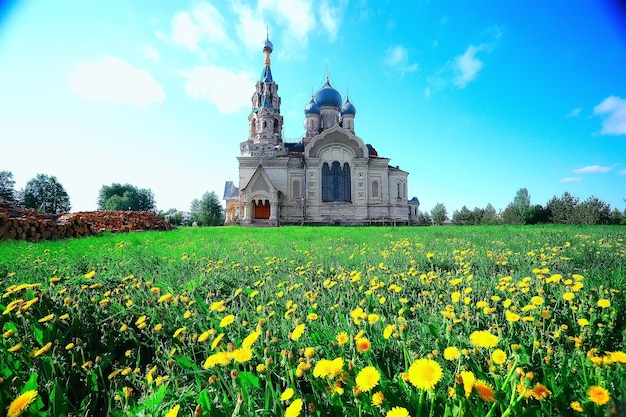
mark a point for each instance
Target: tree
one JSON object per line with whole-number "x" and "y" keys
{"x": 125, "y": 197}
{"x": 592, "y": 211}
{"x": 489, "y": 215}
{"x": 519, "y": 210}
{"x": 463, "y": 217}
{"x": 7, "y": 193}
{"x": 439, "y": 213}
{"x": 561, "y": 209}
{"x": 424, "y": 218}
{"x": 45, "y": 194}
{"x": 616, "y": 216}
{"x": 207, "y": 211}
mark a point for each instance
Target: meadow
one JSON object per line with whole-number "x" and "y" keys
{"x": 316, "y": 321}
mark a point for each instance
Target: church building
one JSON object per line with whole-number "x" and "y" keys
{"x": 329, "y": 177}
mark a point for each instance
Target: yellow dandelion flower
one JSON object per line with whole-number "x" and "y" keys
{"x": 218, "y": 306}
{"x": 219, "y": 358}
{"x": 46, "y": 319}
{"x": 389, "y": 330}
{"x": 450, "y": 353}
{"x": 363, "y": 344}
{"x": 179, "y": 332}
{"x": 583, "y": 322}
{"x": 297, "y": 332}
{"x": 568, "y": 296}
{"x": 604, "y": 303}
{"x": 537, "y": 300}
{"x": 15, "y": 348}
{"x": 483, "y": 339}
{"x": 377, "y": 398}
{"x": 64, "y": 316}
{"x": 69, "y": 346}
{"x": 309, "y": 352}
{"x": 540, "y": 392}
{"x": 598, "y": 395}
{"x": 250, "y": 339}
{"x": 498, "y": 356}
{"x": 227, "y": 320}
{"x": 468, "y": 379}
{"x": 367, "y": 378}
{"x": 287, "y": 394}
{"x": 8, "y": 333}
{"x": 173, "y": 412}
{"x": 217, "y": 340}
{"x": 45, "y": 348}
{"x": 425, "y": 374}
{"x": 484, "y": 390}
{"x": 398, "y": 412}
{"x": 241, "y": 355}
{"x": 619, "y": 357}
{"x": 90, "y": 275}
{"x": 294, "y": 408}
{"x": 575, "y": 405}
{"x": 21, "y": 403}
{"x": 372, "y": 318}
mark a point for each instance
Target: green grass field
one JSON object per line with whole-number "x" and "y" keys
{"x": 326, "y": 321}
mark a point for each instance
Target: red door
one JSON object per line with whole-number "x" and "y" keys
{"x": 262, "y": 210}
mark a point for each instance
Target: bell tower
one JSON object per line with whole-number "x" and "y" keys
{"x": 265, "y": 135}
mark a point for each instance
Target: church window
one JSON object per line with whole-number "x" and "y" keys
{"x": 399, "y": 192}
{"x": 375, "y": 189}
{"x": 336, "y": 182}
{"x": 295, "y": 189}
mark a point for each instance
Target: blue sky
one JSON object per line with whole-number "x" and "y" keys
{"x": 475, "y": 99}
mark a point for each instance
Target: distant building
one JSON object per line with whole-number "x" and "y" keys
{"x": 329, "y": 177}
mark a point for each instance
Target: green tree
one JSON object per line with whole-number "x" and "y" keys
{"x": 125, "y": 197}
{"x": 489, "y": 215}
{"x": 424, "y": 218}
{"x": 7, "y": 193}
{"x": 463, "y": 217}
{"x": 616, "y": 216}
{"x": 207, "y": 211}
{"x": 519, "y": 210}
{"x": 439, "y": 213}
{"x": 592, "y": 211}
{"x": 561, "y": 209}
{"x": 45, "y": 194}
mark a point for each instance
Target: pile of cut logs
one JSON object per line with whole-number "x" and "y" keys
{"x": 26, "y": 224}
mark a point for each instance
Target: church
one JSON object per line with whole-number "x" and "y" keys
{"x": 331, "y": 176}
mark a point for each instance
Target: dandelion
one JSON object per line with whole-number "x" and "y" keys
{"x": 287, "y": 394}
{"x": 250, "y": 339}
{"x": 425, "y": 374}
{"x": 46, "y": 319}
{"x": 309, "y": 352}
{"x": 297, "y": 332}
{"x": 511, "y": 317}
{"x": 575, "y": 405}
{"x": 294, "y": 409}
{"x": 179, "y": 331}
{"x": 90, "y": 275}
{"x": 583, "y": 322}
{"x": 45, "y": 348}
{"x": 484, "y": 339}
{"x": 484, "y": 391}
{"x": 398, "y": 412}
{"x": 604, "y": 303}
{"x": 363, "y": 344}
{"x": 377, "y": 398}
{"x": 568, "y": 296}
{"x": 537, "y": 300}
{"x": 619, "y": 357}
{"x": 15, "y": 348}
{"x": 217, "y": 340}
{"x": 328, "y": 369}
{"x": 21, "y": 403}
{"x": 173, "y": 412}
{"x": 389, "y": 330}
{"x": 241, "y": 355}
{"x": 498, "y": 356}
{"x": 227, "y": 320}
{"x": 540, "y": 392}
{"x": 468, "y": 379}
{"x": 598, "y": 395}
{"x": 367, "y": 378}
{"x": 450, "y": 353}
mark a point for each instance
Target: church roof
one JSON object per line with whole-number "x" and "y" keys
{"x": 348, "y": 108}
{"x": 328, "y": 96}
{"x": 230, "y": 191}
{"x": 311, "y": 108}
{"x": 266, "y": 75}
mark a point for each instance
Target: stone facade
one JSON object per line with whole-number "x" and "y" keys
{"x": 329, "y": 177}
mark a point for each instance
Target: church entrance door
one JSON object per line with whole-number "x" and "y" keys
{"x": 262, "y": 210}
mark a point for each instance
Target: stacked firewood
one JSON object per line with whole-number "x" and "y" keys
{"x": 26, "y": 224}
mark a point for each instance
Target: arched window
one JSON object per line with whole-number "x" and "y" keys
{"x": 295, "y": 189}
{"x": 336, "y": 182}
{"x": 374, "y": 189}
{"x": 399, "y": 191}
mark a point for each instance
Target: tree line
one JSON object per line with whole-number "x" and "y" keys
{"x": 566, "y": 209}
{"x": 45, "y": 194}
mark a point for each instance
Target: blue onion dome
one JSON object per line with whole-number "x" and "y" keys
{"x": 328, "y": 96}
{"x": 267, "y": 45}
{"x": 348, "y": 108}
{"x": 311, "y": 108}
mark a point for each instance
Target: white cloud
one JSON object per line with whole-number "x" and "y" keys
{"x": 467, "y": 66}
{"x": 331, "y": 18}
{"x": 202, "y": 23}
{"x": 622, "y": 173}
{"x": 594, "y": 169}
{"x": 250, "y": 27}
{"x": 613, "y": 109}
{"x": 397, "y": 58}
{"x": 228, "y": 91}
{"x": 116, "y": 81}
{"x": 150, "y": 52}
{"x": 574, "y": 113}
{"x": 572, "y": 179}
